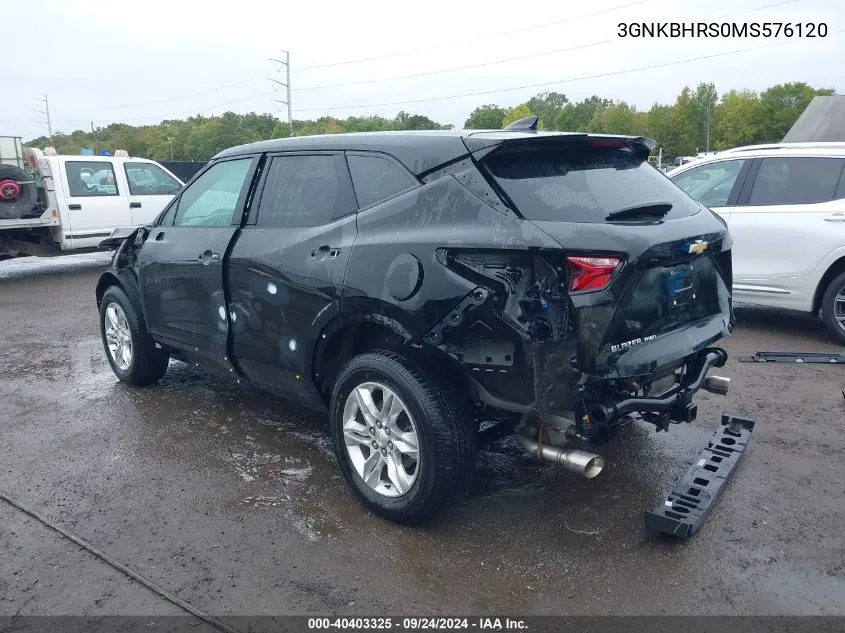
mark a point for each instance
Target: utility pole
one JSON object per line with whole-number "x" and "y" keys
{"x": 93, "y": 139}
{"x": 170, "y": 140}
{"x": 284, "y": 84}
{"x": 46, "y": 112}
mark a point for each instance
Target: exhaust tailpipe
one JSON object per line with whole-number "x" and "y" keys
{"x": 717, "y": 384}
{"x": 585, "y": 464}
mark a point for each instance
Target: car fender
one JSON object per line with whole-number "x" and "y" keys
{"x": 819, "y": 275}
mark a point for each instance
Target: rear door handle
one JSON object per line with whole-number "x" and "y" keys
{"x": 134, "y": 205}
{"x": 324, "y": 252}
{"x": 835, "y": 217}
{"x": 75, "y": 207}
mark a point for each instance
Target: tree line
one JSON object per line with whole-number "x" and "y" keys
{"x": 699, "y": 118}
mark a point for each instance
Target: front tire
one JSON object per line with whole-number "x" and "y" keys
{"x": 833, "y": 307}
{"x": 129, "y": 348}
{"x": 403, "y": 439}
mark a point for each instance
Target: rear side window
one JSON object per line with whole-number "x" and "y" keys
{"x": 583, "y": 184}
{"x": 90, "y": 178}
{"x": 147, "y": 179}
{"x": 302, "y": 191}
{"x": 376, "y": 179}
{"x": 796, "y": 181}
{"x": 710, "y": 184}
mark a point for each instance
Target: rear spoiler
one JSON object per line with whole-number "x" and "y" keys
{"x": 117, "y": 237}
{"x": 479, "y": 146}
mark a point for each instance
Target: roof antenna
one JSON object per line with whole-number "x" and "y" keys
{"x": 528, "y": 124}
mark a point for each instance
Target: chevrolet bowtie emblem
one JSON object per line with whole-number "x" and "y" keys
{"x": 698, "y": 247}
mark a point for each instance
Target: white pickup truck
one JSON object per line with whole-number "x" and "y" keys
{"x": 54, "y": 203}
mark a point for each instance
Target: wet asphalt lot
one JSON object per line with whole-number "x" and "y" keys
{"x": 232, "y": 500}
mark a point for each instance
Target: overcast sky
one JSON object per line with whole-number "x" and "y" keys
{"x": 141, "y": 61}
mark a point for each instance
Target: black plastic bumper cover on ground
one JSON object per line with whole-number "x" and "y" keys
{"x": 691, "y": 498}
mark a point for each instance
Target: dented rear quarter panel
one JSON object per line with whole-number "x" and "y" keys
{"x": 440, "y": 214}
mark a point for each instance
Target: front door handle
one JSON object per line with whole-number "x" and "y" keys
{"x": 206, "y": 257}
{"x": 134, "y": 205}
{"x": 75, "y": 207}
{"x": 835, "y": 217}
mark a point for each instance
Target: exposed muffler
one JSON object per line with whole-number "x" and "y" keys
{"x": 716, "y": 384}
{"x": 585, "y": 464}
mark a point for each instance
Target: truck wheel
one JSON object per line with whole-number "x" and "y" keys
{"x": 129, "y": 348}
{"x": 16, "y": 200}
{"x": 403, "y": 439}
{"x": 833, "y": 307}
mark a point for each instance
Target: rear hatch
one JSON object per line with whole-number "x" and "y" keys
{"x": 650, "y": 268}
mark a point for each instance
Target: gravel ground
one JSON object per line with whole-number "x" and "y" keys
{"x": 232, "y": 500}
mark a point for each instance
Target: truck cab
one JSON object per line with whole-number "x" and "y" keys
{"x": 96, "y": 194}
{"x": 83, "y": 199}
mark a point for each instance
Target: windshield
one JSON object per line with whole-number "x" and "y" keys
{"x": 581, "y": 184}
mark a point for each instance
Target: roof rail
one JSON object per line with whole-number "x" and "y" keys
{"x": 801, "y": 145}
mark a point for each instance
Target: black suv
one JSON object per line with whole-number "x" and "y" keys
{"x": 423, "y": 286}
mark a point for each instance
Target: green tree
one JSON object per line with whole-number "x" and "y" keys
{"x": 617, "y": 118}
{"x": 704, "y": 99}
{"x": 783, "y": 104}
{"x": 737, "y": 120}
{"x": 658, "y": 126}
{"x": 486, "y": 117}
{"x": 515, "y": 114}
{"x": 547, "y": 106}
{"x": 405, "y": 121}
{"x": 576, "y": 117}
{"x": 684, "y": 122}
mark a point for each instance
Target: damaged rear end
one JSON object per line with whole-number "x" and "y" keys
{"x": 621, "y": 320}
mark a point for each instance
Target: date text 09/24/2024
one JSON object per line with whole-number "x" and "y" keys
{"x": 417, "y": 624}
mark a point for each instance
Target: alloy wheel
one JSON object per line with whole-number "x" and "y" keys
{"x": 118, "y": 336}
{"x": 381, "y": 439}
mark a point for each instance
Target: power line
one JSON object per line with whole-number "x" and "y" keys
{"x": 456, "y": 68}
{"x": 410, "y": 52}
{"x": 357, "y": 61}
{"x": 573, "y": 18}
{"x": 177, "y": 98}
{"x": 508, "y": 59}
{"x": 162, "y": 117}
{"x": 545, "y": 83}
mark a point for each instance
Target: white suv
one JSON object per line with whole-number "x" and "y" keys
{"x": 785, "y": 207}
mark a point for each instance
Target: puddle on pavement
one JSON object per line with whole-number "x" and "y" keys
{"x": 280, "y": 460}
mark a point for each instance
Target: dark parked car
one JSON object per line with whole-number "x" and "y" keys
{"x": 423, "y": 286}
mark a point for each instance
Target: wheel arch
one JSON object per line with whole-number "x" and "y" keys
{"x": 353, "y": 334}
{"x": 123, "y": 279}
{"x": 835, "y": 269}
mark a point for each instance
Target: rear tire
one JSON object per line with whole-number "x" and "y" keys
{"x": 833, "y": 307}
{"x": 432, "y": 415}
{"x": 129, "y": 348}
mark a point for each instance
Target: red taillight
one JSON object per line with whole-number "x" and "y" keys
{"x": 590, "y": 273}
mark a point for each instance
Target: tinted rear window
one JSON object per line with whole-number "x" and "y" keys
{"x": 583, "y": 185}
{"x": 796, "y": 181}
